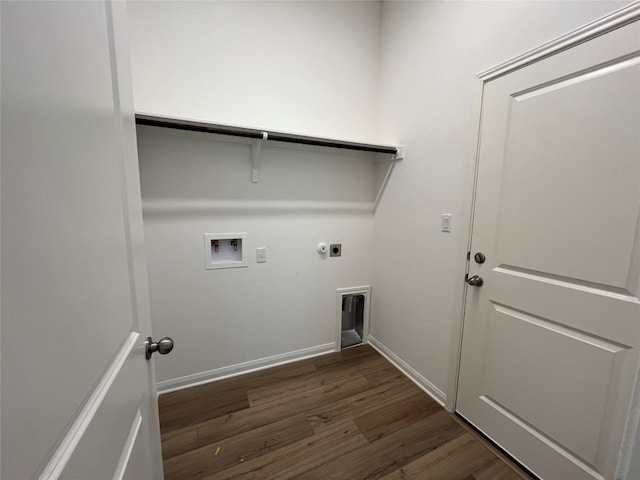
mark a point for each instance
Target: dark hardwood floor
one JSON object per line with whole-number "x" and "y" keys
{"x": 349, "y": 415}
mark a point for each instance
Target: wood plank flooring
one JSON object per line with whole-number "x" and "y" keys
{"x": 349, "y": 415}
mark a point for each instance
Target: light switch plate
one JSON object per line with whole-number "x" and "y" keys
{"x": 261, "y": 255}
{"x": 445, "y": 223}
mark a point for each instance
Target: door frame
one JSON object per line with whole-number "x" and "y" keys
{"x": 629, "y": 456}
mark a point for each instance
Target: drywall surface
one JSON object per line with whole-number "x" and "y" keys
{"x": 308, "y": 67}
{"x": 430, "y": 103}
{"x": 197, "y": 183}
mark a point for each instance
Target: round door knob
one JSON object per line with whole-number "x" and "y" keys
{"x": 162, "y": 346}
{"x": 475, "y": 281}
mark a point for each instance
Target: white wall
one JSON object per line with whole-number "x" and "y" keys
{"x": 302, "y": 67}
{"x": 196, "y": 183}
{"x": 429, "y": 102}
{"x": 308, "y": 67}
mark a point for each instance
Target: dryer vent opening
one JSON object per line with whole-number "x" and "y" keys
{"x": 353, "y": 315}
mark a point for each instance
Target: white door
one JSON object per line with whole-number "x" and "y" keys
{"x": 77, "y": 392}
{"x": 551, "y": 338}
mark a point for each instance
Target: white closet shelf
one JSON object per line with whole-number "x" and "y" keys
{"x": 259, "y": 134}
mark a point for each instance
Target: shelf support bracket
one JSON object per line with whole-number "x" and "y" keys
{"x": 394, "y": 157}
{"x": 256, "y": 147}
{"x": 399, "y": 155}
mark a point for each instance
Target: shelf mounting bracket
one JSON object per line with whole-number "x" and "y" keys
{"x": 256, "y": 147}
{"x": 399, "y": 154}
{"x": 394, "y": 157}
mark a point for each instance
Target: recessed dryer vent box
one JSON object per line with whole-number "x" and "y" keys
{"x": 225, "y": 250}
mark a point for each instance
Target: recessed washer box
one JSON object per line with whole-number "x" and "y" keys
{"x": 225, "y": 250}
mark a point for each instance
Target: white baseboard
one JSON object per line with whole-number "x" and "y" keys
{"x": 412, "y": 374}
{"x": 201, "y": 378}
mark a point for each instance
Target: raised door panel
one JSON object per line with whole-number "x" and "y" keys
{"x": 571, "y": 205}
{"x": 534, "y": 371}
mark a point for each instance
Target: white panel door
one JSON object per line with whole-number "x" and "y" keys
{"x": 550, "y": 344}
{"x": 77, "y": 392}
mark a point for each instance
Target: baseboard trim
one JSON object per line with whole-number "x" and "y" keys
{"x": 180, "y": 383}
{"x": 412, "y": 374}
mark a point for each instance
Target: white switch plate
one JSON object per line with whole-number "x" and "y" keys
{"x": 445, "y": 223}
{"x": 261, "y": 255}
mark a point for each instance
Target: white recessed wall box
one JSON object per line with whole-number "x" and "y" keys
{"x": 225, "y": 250}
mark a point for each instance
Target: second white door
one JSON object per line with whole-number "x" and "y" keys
{"x": 551, "y": 338}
